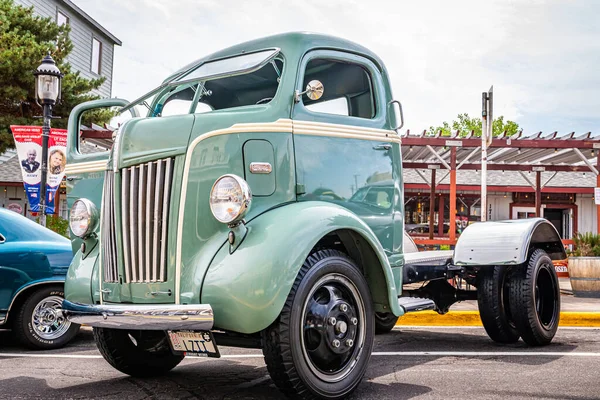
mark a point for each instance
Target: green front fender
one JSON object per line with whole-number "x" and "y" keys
{"x": 82, "y": 284}
{"x": 247, "y": 289}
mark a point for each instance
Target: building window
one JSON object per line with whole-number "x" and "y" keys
{"x": 96, "y": 55}
{"x": 61, "y": 19}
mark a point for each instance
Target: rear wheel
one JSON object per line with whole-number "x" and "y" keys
{"x": 321, "y": 343}
{"x": 384, "y": 322}
{"x": 494, "y": 309}
{"x": 136, "y": 353}
{"x": 535, "y": 300}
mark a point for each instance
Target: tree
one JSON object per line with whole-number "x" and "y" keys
{"x": 24, "y": 40}
{"x": 466, "y": 125}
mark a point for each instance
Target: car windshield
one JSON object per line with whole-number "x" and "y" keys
{"x": 246, "y": 79}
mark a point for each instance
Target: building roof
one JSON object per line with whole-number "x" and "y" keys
{"x": 92, "y": 21}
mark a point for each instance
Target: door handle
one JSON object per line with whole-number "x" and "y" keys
{"x": 384, "y": 146}
{"x": 158, "y": 293}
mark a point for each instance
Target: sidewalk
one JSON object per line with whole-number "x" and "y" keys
{"x": 575, "y": 311}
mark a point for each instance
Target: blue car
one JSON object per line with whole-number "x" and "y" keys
{"x": 33, "y": 264}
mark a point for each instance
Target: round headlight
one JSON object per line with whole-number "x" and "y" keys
{"x": 230, "y": 199}
{"x": 83, "y": 217}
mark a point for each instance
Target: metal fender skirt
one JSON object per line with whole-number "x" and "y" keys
{"x": 436, "y": 257}
{"x": 197, "y": 317}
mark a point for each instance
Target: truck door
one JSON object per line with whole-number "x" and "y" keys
{"x": 88, "y": 150}
{"x": 346, "y": 152}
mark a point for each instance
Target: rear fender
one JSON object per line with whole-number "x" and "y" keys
{"x": 507, "y": 242}
{"x": 248, "y": 288}
{"x": 23, "y": 292}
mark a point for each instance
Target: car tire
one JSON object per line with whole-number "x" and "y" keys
{"x": 535, "y": 299}
{"x": 140, "y": 354}
{"x": 39, "y": 323}
{"x": 493, "y": 292}
{"x": 384, "y": 322}
{"x": 330, "y": 301}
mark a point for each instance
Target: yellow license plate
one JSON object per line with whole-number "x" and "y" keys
{"x": 193, "y": 343}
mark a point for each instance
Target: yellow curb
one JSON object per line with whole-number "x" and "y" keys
{"x": 471, "y": 318}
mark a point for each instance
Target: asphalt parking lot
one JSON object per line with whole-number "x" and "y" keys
{"x": 410, "y": 362}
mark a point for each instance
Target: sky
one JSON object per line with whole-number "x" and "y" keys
{"x": 541, "y": 56}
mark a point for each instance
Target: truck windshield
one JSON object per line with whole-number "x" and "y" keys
{"x": 230, "y": 82}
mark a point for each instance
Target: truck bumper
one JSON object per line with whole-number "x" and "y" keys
{"x": 197, "y": 317}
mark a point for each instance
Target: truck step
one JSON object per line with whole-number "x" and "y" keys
{"x": 410, "y": 304}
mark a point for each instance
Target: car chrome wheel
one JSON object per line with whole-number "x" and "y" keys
{"x": 333, "y": 331}
{"x": 47, "y": 318}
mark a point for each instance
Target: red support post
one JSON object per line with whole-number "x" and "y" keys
{"x": 441, "y": 217}
{"x": 598, "y": 186}
{"x": 538, "y": 194}
{"x": 432, "y": 204}
{"x": 452, "y": 194}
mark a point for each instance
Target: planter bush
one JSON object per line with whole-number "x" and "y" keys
{"x": 584, "y": 265}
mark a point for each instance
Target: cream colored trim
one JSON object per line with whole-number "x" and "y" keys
{"x": 90, "y": 166}
{"x": 281, "y": 125}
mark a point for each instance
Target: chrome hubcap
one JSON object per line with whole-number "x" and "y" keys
{"x": 47, "y": 319}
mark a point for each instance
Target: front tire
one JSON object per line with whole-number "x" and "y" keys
{"x": 494, "y": 307}
{"x": 321, "y": 343}
{"x": 39, "y": 323}
{"x": 137, "y": 353}
{"x": 535, "y": 300}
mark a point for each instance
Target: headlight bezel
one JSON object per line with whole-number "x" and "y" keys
{"x": 92, "y": 217}
{"x": 246, "y": 195}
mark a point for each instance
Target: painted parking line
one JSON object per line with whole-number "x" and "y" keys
{"x": 375, "y": 353}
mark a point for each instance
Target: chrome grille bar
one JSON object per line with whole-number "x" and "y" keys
{"x": 125, "y": 222}
{"x": 108, "y": 235}
{"x": 165, "y": 215}
{"x": 133, "y": 221}
{"x": 140, "y": 216}
{"x": 159, "y": 183}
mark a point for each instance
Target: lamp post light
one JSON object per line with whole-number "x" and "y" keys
{"x": 47, "y": 94}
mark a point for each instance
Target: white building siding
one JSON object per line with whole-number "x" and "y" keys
{"x": 500, "y": 206}
{"x": 586, "y": 213}
{"x": 81, "y": 35}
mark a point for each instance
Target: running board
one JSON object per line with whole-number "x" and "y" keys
{"x": 410, "y": 304}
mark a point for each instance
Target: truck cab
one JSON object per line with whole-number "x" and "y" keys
{"x": 255, "y": 199}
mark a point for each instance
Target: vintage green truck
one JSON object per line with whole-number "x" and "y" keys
{"x": 259, "y": 204}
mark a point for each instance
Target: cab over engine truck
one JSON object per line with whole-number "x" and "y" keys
{"x": 259, "y": 203}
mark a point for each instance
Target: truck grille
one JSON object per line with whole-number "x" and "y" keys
{"x": 145, "y": 200}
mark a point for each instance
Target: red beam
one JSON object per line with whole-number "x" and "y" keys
{"x": 94, "y": 134}
{"x": 510, "y": 143}
{"x": 506, "y": 167}
{"x": 423, "y": 187}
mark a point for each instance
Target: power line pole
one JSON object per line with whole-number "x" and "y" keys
{"x": 487, "y": 119}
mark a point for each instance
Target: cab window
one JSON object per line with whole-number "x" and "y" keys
{"x": 348, "y": 88}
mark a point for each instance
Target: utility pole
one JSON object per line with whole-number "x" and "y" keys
{"x": 487, "y": 119}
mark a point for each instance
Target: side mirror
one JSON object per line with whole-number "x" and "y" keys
{"x": 314, "y": 91}
{"x": 397, "y": 107}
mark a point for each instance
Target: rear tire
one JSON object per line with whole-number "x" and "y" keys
{"x": 535, "y": 300}
{"x": 494, "y": 307}
{"x": 320, "y": 345}
{"x": 137, "y": 353}
{"x": 384, "y": 322}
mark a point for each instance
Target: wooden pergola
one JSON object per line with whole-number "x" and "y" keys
{"x": 534, "y": 153}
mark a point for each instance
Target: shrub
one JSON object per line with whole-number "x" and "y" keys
{"x": 586, "y": 245}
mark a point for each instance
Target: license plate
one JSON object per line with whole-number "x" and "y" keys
{"x": 193, "y": 343}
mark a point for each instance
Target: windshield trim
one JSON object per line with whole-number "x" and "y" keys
{"x": 174, "y": 82}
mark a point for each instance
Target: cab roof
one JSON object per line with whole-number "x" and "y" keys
{"x": 289, "y": 43}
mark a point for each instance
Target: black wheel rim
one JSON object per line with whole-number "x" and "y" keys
{"x": 546, "y": 304}
{"x": 333, "y": 329}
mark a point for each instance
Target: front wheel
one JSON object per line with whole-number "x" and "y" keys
{"x": 321, "y": 343}
{"x": 136, "y": 353}
{"x": 39, "y": 323}
{"x": 535, "y": 300}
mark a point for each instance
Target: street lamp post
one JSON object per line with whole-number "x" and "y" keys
{"x": 47, "y": 94}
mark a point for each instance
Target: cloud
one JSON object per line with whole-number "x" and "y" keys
{"x": 541, "y": 56}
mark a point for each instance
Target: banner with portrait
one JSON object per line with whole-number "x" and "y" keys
{"x": 28, "y": 141}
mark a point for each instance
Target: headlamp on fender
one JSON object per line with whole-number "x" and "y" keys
{"x": 230, "y": 199}
{"x": 83, "y": 218}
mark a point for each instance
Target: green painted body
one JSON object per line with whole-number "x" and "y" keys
{"x": 309, "y": 194}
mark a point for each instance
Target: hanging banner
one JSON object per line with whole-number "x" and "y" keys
{"x": 28, "y": 141}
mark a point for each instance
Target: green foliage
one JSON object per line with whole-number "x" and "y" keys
{"x": 24, "y": 40}
{"x": 58, "y": 225}
{"x": 466, "y": 125}
{"x": 586, "y": 245}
